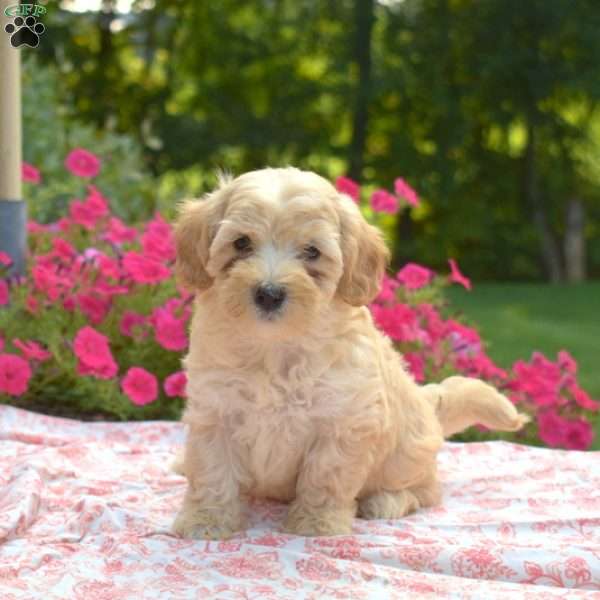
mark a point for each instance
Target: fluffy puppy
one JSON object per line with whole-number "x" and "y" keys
{"x": 293, "y": 394}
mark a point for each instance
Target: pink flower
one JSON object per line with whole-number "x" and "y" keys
{"x": 32, "y": 350}
{"x": 403, "y": 190}
{"x": 456, "y": 276}
{"x": 416, "y": 364}
{"x": 140, "y": 386}
{"x": 93, "y": 351}
{"x": 4, "y": 295}
{"x": 383, "y": 201}
{"x": 175, "y": 384}
{"x": 579, "y": 435}
{"x": 5, "y": 259}
{"x": 118, "y": 233}
{"x": 88, "y": 212}
{"x": 399, "y": 322}
{"x": 130, "y": 323}
{"x": 144, "y": 269}
{"x": 31, "y": 304}
{"x": 157, "y": 241}
{"x": 15, "y": 374}
{"x": 30, "y": 174}
{"x": 552, "y": 428}
{"x": 348, "y": 186}
{"x": 583, "y": 399}
{"x": 82, "y": 163}
{"x": 567, "y": 362}
{"x": 94, "y": 308}
{"x": 388, "y": 289}
{"x": 414, "y": 276}
{"x": 169, "y": 331}
{"x": 62, "y": 249}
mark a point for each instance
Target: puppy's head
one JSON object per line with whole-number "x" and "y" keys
{"x": 276, "y": 246}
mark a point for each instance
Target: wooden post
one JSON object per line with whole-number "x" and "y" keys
{"x": 12, "y": 207}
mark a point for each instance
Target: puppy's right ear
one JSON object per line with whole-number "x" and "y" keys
{"x": 195, "y": 230}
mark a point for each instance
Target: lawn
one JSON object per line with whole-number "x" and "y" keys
{"x": 517, "y": 319}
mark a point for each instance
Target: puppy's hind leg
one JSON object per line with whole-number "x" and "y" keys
{"x": 388, "y": 505}
{"x": 397, "y": 504}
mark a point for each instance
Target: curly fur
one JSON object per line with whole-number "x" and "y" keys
{"x": 312, "y": 405}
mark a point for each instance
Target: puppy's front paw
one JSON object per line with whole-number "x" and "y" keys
{"x": 204, "y": 524}
{"x": 302, "y": 520}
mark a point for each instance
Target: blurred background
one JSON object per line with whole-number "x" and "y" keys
{"x": 489, "y": 108}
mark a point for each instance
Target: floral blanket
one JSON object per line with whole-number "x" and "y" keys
{"x": 85, "y": 510}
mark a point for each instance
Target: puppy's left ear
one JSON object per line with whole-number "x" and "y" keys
{"x": 364, "y": 253}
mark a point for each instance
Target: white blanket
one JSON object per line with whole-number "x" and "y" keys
{"x": 85, "y": 511}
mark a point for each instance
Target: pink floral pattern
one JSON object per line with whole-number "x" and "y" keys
{"x": 86, "y": 510}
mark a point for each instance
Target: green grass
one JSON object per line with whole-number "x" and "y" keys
{"x": 518, "y": 319}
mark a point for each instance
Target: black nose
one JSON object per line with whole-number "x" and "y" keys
{"x": 269, "y": 296}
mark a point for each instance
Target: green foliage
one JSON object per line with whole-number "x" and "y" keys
{"x": 491, "y": 107}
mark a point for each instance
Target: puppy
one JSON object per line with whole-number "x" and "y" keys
{"x": 293, "y": 394}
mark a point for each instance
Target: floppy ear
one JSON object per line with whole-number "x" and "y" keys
{"x": 194, "y": 232}
{"x": 364, "y": 253}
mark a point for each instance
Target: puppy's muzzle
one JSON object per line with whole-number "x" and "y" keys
{"x": 269, "y": 297}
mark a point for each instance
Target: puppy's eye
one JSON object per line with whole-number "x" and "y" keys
{"x": 311, "y": 253}
{"x": 242, "y": 243}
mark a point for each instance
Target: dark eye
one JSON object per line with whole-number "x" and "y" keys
{"x": 242, "y": 243}
{"x": 311, "y": 253}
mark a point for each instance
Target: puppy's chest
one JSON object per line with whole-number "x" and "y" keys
{"x": 273, "y": 424}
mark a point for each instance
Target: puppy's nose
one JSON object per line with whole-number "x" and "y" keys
{"x": 269, "y": 296}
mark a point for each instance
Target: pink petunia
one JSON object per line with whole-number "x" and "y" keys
{"x": 109, "y": 267}
{"x": 4, "y": 295}
{"x": 30, "y": 174}
{"x": 15, "y": 374}
{"x": 32, "y": 350}
{"x": 399, "y": 322}
{"x": 169, "y": 331}
{"x": 456, "y": 276}
{"x": 93, "y": 351}
{"x": 583, "y": 399}
{"x": 31, "y": 304}
{"x": 567, "y": 362}
{"x": 118, "y": 233}
{"x": 175, "y": 384}
{"x": 414, "y": 276}
{"x": 94, "y": 308}
{"x": 158, "y": 241}
{"x": 578, "y": 435}
{"x": 403, "y": 190}
{"x": 5, "y": 259}
{"x": 348, "y": 186}
{"x": 82, "y": 163}
{"x": 388, "y": 290}
{"x": 91, "y": 210}
{"x": 140, "y": 386}
{"x": 552, "y": 428}
{"x": 416, "y": 365}
{"x": 63, "y": 249}
{"x": 383, "y": 201}
{"x": 144, "y": 269}
{"x": 131, "y": 324}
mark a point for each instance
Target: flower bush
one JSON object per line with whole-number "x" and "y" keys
{"x": 99, "y": 326}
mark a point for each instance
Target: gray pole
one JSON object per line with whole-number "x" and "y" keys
{"x": 12, "y": 207}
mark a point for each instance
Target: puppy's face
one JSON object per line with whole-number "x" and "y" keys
{"x": 276, "y": 246}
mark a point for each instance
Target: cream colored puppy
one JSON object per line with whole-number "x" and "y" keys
{"x": 293, "y": 394}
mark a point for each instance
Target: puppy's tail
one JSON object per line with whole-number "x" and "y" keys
{"x": 462, "y": 401}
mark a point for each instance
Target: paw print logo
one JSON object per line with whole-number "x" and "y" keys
{"x": 25, "y": 32}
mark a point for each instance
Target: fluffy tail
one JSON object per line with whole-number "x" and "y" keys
{"x": 462, "y": 401}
